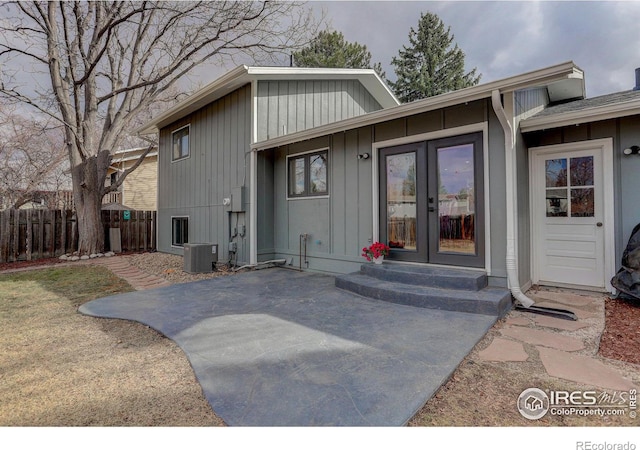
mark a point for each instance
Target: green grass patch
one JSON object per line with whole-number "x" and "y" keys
{"x": 76, "y": 284}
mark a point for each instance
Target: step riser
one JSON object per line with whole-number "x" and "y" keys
{"x": 469, "y": 283}
{"x": 441, "y": 302}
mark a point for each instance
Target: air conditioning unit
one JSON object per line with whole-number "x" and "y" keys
{"x": 200, "y": 258}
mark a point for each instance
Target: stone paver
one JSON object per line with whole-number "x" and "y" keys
{"x": 504, "y": 350}
{"x": 544, "y": 338}
{"x": 564, "y": 298}
{"x": 560, "y": 324}
{"x": 582, "y": 369}
{"x": 521, "y": 321}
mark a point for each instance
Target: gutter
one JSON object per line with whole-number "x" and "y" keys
{"x": 511, "y": 189}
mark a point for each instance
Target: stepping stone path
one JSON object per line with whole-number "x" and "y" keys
{"x": 138, "y": 279}
{"x": 560, "y": 343}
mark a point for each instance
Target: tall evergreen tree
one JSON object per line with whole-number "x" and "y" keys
{"x": 430, "y": 65}
{"x": 330, "y": 49}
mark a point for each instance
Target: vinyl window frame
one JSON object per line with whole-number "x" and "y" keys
{"x": 173, "y": 137}
{"x": 306, "y": 156}
{"x": 184, "y": 231}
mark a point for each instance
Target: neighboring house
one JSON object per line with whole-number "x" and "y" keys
{"x": 522, "y": 178}
{"x": 206, "y": 167}
{"x": 139, "y": 190}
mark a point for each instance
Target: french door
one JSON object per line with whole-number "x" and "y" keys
{"x": 431, "y": 201}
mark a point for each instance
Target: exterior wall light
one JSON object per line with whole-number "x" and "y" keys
{"x": 633, "y": 150}
{"x": 363, "y": 156}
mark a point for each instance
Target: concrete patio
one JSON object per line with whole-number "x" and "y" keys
{"x": 281, "y": 348}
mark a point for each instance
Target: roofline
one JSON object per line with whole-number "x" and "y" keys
{"x": 243, "y": 75}
{"x": 132, "y": 158}
{"x": 130, "y": 150}
{"x": 593, "y": 114}
{"x": 539, "y": 77}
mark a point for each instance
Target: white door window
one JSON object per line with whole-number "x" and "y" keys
{"x": 569, "y": 207}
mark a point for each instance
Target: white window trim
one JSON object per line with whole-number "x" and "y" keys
{"x": 482, "y": 127}
{"x": 178, "y": 217}
{"x": 174, "y": 132}
{"x": 297, "y": 155}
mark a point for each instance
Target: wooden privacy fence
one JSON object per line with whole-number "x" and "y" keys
{"x": 29, "y": 234}
{"x": 137, "y": 229}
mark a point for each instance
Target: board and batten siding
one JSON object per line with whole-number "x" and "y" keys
{"x": 285, "y": 107}
{"x": 340, "y": 225}
{"x": 195, "y": 187}
{"x": 337, "y": 226}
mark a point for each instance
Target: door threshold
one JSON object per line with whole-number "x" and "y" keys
{"x": 571, "y": 287}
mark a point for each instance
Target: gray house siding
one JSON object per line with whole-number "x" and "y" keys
{"x": 625, "y": 132}
{"x": 286, "y": 107}
{"x": 196, "y": 186}
{"x": 340, "y": 225}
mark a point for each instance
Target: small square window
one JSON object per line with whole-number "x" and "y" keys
{"x": 179, "y": 231}
{"x": 180, "y": 140}
{"x": 308, "y": 174}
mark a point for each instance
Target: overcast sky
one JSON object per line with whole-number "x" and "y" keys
{"x": 508, "y": 38}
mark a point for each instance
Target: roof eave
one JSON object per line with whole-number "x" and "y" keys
{"x": 535, "y": 78}
{"x": 245, "y": 74}
{"x": 579, "y": 117}
{"x": 226, "y": 83}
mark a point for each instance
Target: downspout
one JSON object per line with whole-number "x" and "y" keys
{"x": 511, "y": 212}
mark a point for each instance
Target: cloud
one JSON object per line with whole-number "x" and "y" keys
{"x": 506, "y": 38}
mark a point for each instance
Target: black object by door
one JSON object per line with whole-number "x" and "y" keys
{"x": 432, "y": 201}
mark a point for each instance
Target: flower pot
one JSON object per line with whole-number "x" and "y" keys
{"x": 378, "y": 260}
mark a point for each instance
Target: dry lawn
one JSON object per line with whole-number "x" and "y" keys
{"x": 61, "y": 368}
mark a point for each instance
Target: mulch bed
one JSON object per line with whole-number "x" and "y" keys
{"x": 621, "y": 337}
{"x": 35, "y": 262}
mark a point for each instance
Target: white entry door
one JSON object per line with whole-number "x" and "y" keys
{"x": 572, "y": 214}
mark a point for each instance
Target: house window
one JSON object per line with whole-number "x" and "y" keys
{"x": 179, "y": 231}
{"x": 180, "y": 139}
{"x": 308, "y": 174}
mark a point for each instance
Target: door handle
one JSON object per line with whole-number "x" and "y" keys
{"x": 432, "y": 209}
{"x": 599, "y": 224}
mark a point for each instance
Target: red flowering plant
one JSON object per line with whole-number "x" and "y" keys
{"x": 375, "y": 250}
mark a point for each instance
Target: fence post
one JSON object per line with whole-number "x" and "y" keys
{"x": 40, "y": 234}
{"x": 16, "y": 240}
{"x": 5, "y": 230}
{"x": 29, "y": 237}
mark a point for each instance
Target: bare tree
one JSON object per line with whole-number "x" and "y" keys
{"x": 33, "y": 162}
{"x": 108, "y": 61}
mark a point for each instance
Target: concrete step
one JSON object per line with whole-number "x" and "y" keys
{"x": 487, "y": 301}
{"x": 438, "y": 277}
